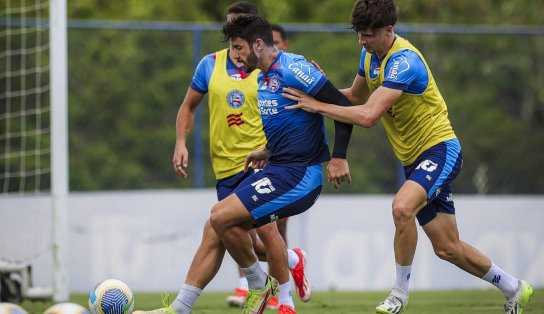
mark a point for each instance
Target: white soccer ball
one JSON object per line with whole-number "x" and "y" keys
{"x": 66, "y": 308}
{"x": 10, "y": 308}
{"x": 111, "y": 296}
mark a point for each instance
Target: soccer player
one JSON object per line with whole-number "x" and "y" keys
{"x": 235, "y": 131}
{"x": 296, "y": 146}
{"x": 395, "y": 85}
{"x": 280, "y": 37}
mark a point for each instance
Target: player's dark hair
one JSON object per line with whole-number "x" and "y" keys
{"x": 373, "y": 14}
{"x": 281, "y": 30}
{"x": 242, "y": 7}
{"x": 249, "y": 28}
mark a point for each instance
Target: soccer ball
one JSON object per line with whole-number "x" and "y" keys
{"x": 111, "y": 296}
{"x": 10, "y": 308}
{"x": 66, "y": 308}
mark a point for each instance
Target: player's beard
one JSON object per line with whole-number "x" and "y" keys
{"x": 251, "y": 62}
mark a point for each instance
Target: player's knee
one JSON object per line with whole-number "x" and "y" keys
{"x": 402, "y": 214}
{"x": 217, "y": 219}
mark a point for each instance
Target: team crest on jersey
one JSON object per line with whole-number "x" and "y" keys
{"x": 235, "y": 99}
{"x": 273, "y": 85}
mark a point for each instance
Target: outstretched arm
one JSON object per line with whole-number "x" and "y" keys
{"x": 367, "y": 115}
{"x": 184, "y": 124}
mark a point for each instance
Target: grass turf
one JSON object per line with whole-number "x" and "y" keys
{"x": 421, "y": 302}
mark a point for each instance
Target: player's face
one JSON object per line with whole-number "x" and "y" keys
{"x": 374, "y": 41}
{"x": 243, "y": 53}
{"x": 278, "y": 41}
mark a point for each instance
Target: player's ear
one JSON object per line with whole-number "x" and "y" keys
{"x": 259, "y": 45}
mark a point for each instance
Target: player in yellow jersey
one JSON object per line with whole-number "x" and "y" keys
{"x": 395, "y": 85}
{"x": 235, "y": 130}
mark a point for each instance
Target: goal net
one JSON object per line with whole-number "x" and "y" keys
{"x": 28, "y": 217}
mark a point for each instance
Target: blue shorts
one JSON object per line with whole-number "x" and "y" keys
{"x": 226, "y": 186}
{"x": 280, "y": 191}
{"x": 434, "y": 170}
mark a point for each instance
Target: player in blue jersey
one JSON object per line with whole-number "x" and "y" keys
{"x": 296, "y": 146}
{"x": 235, "y": 131}
{"x": 395, "y": 85}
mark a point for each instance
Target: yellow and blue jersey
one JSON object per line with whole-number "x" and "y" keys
{"x": 295, "y": 137}
{"x": 235, "y": 124}
{"x": 419, "y": 119}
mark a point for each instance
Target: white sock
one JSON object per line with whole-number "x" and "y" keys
{"x": 502, "y": 280}
{"x": 292, "y": 258}
{"x": 402, "y": 282}
{"x": 285, "y": 295}
{"x": 256, "y": 277}
{"x": 242, "y": 284}
{"x": 186, "y": 298}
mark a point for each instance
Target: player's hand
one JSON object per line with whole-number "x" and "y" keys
{"x": 338, "y": 171}
{"x": 257, "y": 158}
{"x": 180, "y": 160}
{"x": 318, "y": 67}
{"x": 305, "y": 102}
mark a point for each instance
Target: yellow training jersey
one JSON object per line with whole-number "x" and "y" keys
{"x": 416, "y": 121}
{"x": 235, "y": 124}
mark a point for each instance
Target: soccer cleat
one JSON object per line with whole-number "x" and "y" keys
{"x": 238, "y": 299}
{"x": 167, "y": 309}
{"x": 273, "y": 303}
{"x": 256, "y": 299}
{"x": 517, "y": 304}
{"x": 302, "y": 284}
{"x": 391, "y": 305}
{"x": 286, "y": 309}
{"x": 163, "y": 310}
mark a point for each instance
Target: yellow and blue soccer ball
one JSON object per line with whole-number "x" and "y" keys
{"x": 66, "y": 308}
{"x": 111, "y": 296}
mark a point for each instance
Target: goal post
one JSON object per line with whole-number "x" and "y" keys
{"x": 34, "y": 145}
{"x": 59, "y": 144}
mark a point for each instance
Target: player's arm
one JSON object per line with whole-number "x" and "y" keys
{"x": 367, "y": 115}
{"x": 338, "y": 168}
{"x": 184, "y": 123}
{"x": 358, "y": 92}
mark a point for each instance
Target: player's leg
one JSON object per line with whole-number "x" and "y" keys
{"x": 282, "y": 229}
{"x": 409, "y": 199}
{"x": 204, "y": 267}
{"x": 271, "y": 194}
{"x": 231, "y": 221}
{"x": 276, "y": 255}
{"x": 444, "y": 236}
{"x": 434, "y": 168}
{"x": 225, "y": 187}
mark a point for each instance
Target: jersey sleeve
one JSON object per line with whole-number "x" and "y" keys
{"x": 405, "y": 71}
{"x": 203, "y": 73}
{"x": 361, "y": 71}
{"x": 304, "y": 76}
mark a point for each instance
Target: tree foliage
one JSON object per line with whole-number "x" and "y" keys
{"x": 125, "y": 88}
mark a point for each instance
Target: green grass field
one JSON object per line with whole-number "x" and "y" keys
{"x": 421, "y": 302}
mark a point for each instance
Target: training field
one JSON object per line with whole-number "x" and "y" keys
{"x": 422, "y": 302}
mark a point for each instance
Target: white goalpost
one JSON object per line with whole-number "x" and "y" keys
{"x": 34, "y": 146}
{"x": 59, "y": 143}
